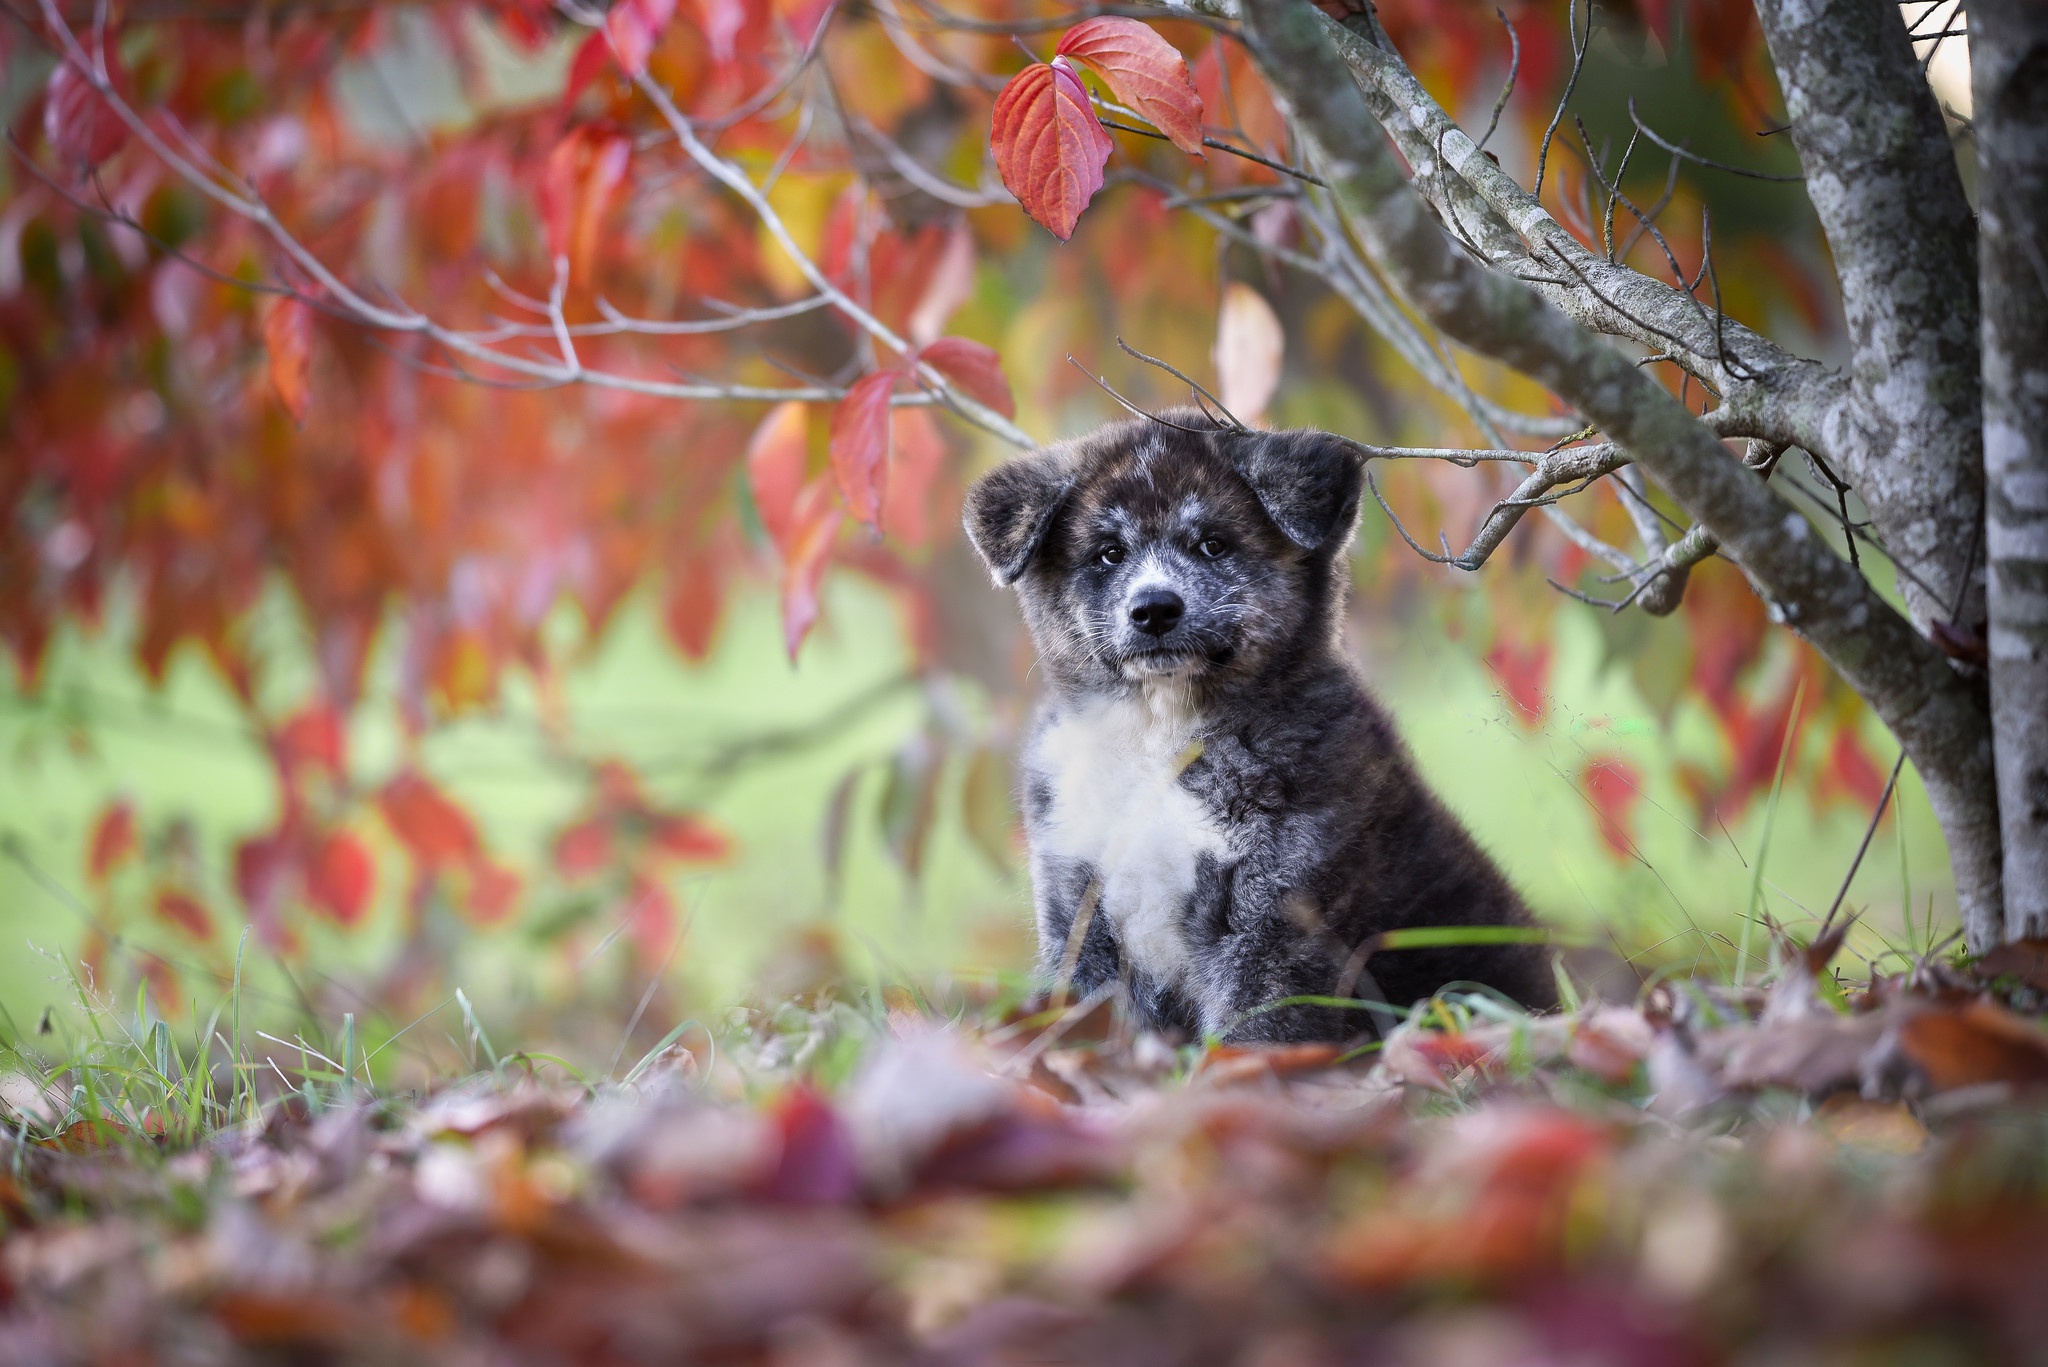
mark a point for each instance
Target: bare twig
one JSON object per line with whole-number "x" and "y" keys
{"x": 1508, "y": 87}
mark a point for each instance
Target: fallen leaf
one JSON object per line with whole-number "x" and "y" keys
{"x": 2026, "y": 960}
{"x": 1978, "y": 1043}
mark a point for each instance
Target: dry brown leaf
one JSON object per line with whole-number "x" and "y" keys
{"x": 1977, "y": 1044}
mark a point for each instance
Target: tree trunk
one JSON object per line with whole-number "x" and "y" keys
{"x": 1882, "y": 176}
{"x": 2009, "y": 78}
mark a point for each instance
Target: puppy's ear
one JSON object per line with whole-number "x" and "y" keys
{"x": 1307, "y": 481}
{"x": 1010, "y": 509}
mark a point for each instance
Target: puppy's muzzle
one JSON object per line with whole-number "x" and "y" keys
{"x": 1157, "y": 611}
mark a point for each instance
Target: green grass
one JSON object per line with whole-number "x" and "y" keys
{"x": 96, "y": 730}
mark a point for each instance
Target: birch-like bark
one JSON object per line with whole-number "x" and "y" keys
{"x": 2009, "y": 76}
{"x": 1941, "y": 720}
{"x": 1882, "y": 176}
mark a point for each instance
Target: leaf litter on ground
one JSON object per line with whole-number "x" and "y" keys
{"x": 1709, "y": 1174}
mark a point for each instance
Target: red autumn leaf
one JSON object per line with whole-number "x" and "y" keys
{"x": 288, "y": 337}
{"x": 583, "y": 176}
{"x": 431, "y": 827}
{"x": 313, "y": 737}
{"x": 493, "y": 892}
{"x": 113, "y": 841}
{"x": 1524, "y": 673}
{"x": 691, "y": 614}
{"x": 1850, "y": 769}
{"x": 1049, "y": 147}
{"x": 264, "y": 866}
{"x": 689, "y": 837}
{"x": 1614, "y": 788}
{"x": 181, "y": 909}
{"x": 1144, "y": 70}
{"x": 778, "y": 457}
{"x": 652, "y": 920}
{"x": 81, "y": 126}
{"x": 526, "y": 21}
{"x": 816, "y": 523}
{"x": 860, "y": 444}
{"x": 339, "y": 876}
{"x": 907, "y": 499}
{"x": 592, "y": 56}
{"x": 633, "y": 26}
{"x": 585, "y": 848}
{"x": 977, "y": 369}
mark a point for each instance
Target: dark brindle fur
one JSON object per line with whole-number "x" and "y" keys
{"x": 1207, "y": 780}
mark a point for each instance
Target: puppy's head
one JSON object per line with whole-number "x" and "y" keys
{"x": 1178, "y": 549}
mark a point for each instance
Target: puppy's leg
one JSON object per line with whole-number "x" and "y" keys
{"x": 1074, "y": 940}
{"x": 1255, "y": 947}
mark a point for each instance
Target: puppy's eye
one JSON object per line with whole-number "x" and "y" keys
{"x": 1112, "y": 554}
{"x": 1213, "y": 546}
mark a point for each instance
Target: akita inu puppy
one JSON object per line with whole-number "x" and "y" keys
{"x": 1220, "y": 816}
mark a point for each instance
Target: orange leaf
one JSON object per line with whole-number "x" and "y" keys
{"x": 1145, "y": 71}
{"x": 977, "y": 369}
{"x": 113, "y": 841}
{"x": 339, "y": 877}
{"x": 1978, "y": 1043}
{"x": 907, "y": 498}
{"x": 817, "y": 521}
{"x": 288, "y": 336}
{"x": 583, "y": 175}
{"x": 860, "y": 444}
{"x": 1049, "y": 147}
{"x": 777, "y": 459}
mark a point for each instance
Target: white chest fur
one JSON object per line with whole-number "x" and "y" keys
{"x": 1113, "y": 766}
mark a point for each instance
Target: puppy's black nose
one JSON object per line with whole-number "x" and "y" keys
{"x": 1157, "y": 611}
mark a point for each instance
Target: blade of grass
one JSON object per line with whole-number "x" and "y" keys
{"x": 1438, "y": 937}
{"x": 478, "y": 1039}
{"x": 647, "y": 1059}
{"x": 1756, "y": 880}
